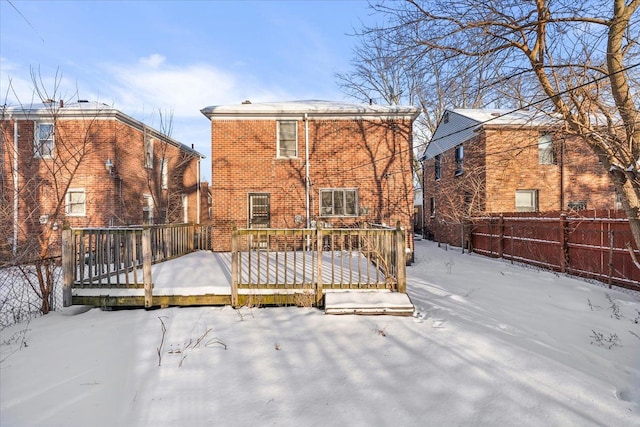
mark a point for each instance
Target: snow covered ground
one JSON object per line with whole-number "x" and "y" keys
{"x": 490, "y": 344}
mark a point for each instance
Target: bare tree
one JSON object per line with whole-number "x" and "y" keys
{"x": 577, "y": 60}
{"x": 37, "y": 177}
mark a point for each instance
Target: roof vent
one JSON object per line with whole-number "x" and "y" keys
{"x": 49, "y": 101}
{"x": 82, "y": 100}
{"x": 245, "y": 102}
{"x": 496, "y": 114}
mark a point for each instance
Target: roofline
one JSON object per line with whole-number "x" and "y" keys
{"x": 270, "y": 111}
{"x": 55, "y": 112}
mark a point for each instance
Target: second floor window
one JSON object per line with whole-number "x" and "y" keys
{"x": 338, "y": 202}
{"x": 546, "y": 156}
{"x": 148, "y": 153}
{"x": 287, "y": 139}
{"x": 43, "y": 143}
{"x": 459, "y": 160}
{"x": 438, "y": 166}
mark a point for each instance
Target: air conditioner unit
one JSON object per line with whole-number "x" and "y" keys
{"x": 44, "y": 219}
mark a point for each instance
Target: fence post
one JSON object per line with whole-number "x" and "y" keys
{"x": 319, "y": 262}
{"x": 611, "y": 240}
{"x": 67, "y": 267}
{"x": 234, "y": 266}
{"x": 564, "y": 246}
{"x": 500, "y": 236}
{"x": 146, "y": 267}
{"x": 401, "y": 266}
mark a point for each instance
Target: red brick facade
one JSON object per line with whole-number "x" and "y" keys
{"x": 500, "y": 160}
{"x": 84, "y": 138}
{"x": 364, "y": 154}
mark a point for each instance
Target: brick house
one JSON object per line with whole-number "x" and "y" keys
{"x": 297, "y": 164}
{"x": 87, "y": 164}
{"x": 495, "y": 161}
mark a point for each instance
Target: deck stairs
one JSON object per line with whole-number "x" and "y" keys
{"x": 367, "y": 303}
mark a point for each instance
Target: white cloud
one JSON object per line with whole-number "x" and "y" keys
{"x": 153, "y": 61}
{"x": 153, "y": 83}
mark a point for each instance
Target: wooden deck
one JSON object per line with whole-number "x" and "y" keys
{"x": 204, "y": 278}
{"x": 163, "y": 266}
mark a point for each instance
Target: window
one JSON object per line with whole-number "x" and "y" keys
{"x": 147, "y": 209}
{"x": 546, "y": 156}
{"x": 165, "y": 174}
{"x": 432, "y": 207}
{"x": 287, "y": 139}
{"x": 185, "y": 208}
{"x": 43, "y": 143}
{"x": 148, "y": 153}
{"x": 526, "y": 200}
{"x": 579, "y": 205}
{"x": 438, "y": 166}
{"x": 75, "y": 202}
{"x": 459, "y": 160}
{"x": 339, "y": 202}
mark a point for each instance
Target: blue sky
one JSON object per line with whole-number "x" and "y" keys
{"x": 176, "y": 57}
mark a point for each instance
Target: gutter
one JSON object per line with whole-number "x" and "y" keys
{"x": 306, "y": 159}
{"x": 15, "y": 187}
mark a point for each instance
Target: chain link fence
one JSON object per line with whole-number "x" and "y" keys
{"x": 20, "y": 295}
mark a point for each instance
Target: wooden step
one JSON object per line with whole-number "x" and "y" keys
{"x": 368, "y": 303}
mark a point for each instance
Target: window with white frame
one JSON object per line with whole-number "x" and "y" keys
{"x": 339, "y": 202}
{"x": 43, "y": 141}
{"x": 165, "y": 174}
{"x": 75, "y": 202}
{"x": 287, "y": 139}
{"x": 546, "y": 156}
{"x": 526, "y": 200}
{"x": 148, "y": 153}
{"x": 459, "y": 160}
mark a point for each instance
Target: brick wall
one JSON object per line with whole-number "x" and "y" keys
{"x": 501, "y": 160}
{"x": 81, "y": 149}
{"x": 370, "y": 156}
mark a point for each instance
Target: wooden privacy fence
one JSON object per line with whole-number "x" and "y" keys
{"x": 586, "y": 246}
{"x": 121, "y": 257}
{"x": 268, "y": 262}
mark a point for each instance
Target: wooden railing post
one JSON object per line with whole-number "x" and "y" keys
{"x": 319, "y": 237}
{"x": 401, "y": 266}
{"x": 146, "y": 267}
{"x": 234, "y": 266}
{"x": 68, "y": 275}
{"x": 564, "y": 247}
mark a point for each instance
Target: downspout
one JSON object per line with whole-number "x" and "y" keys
{"x": 306, "y": 178}
{"x": 15, "y": 187}
{"x": 198, "y": 192}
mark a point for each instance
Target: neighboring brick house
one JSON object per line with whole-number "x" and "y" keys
{"x": 87, "y": 165}
{"x": 495, "y": 161}
{"x": 294, "y": 164}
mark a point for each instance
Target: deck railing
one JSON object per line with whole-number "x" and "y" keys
{"x": 311, "y": 260}
{"x": 121, "y": 257}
